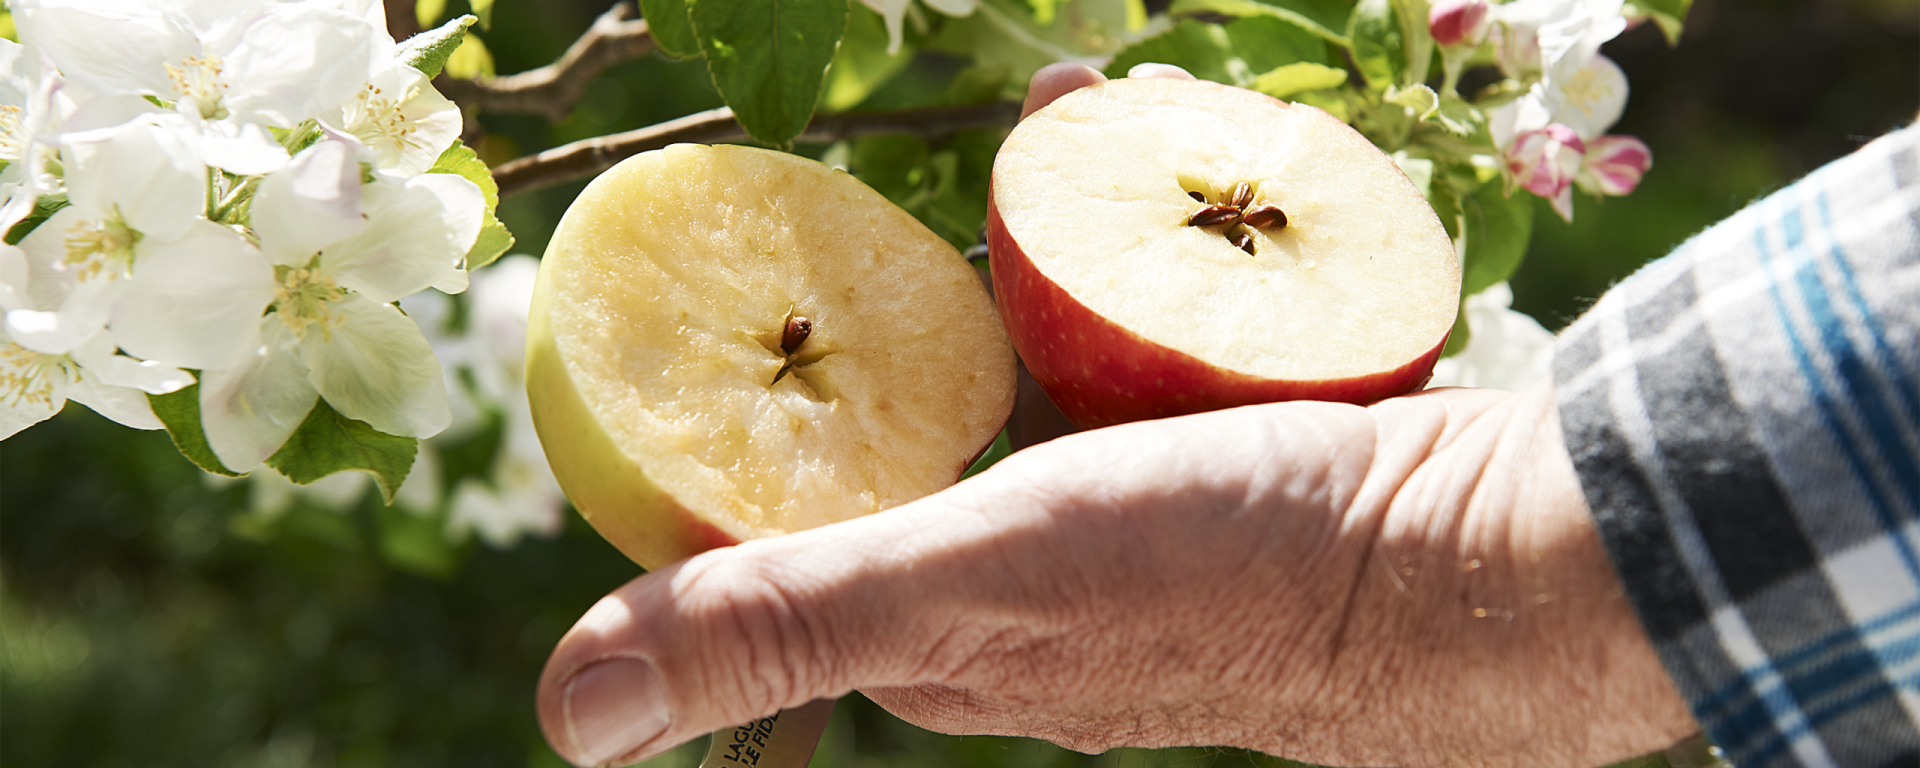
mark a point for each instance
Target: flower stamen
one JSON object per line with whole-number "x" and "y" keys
{"x": 198, "y": 79}
{"x": 28, "y": 377}
{"x": 102, "y": 246}
{"x": 303, "y": 300}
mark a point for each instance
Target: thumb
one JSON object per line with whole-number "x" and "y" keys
{"x": 745, "y": 631}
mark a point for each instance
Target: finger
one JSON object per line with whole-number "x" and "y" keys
{"x": 1056, "y": 80}
{"x": 1152, "y": 69}
{"x": 741, "y": 632}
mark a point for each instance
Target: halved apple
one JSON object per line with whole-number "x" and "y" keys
{"x": 1165, "y": 246}
{"x": 727, "y": 343}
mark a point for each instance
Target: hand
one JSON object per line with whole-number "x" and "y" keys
{"x": 1415, "y": 583}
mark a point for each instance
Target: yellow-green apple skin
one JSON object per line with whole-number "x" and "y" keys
{"x": 681, "y": 402}
{"x": 1123, "y": 311}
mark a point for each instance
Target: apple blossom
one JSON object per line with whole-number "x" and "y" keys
{"x": 342, "y": 253}
{"x": 133, "y": 231}
{"x": 400, "y": 121}
{"x": 1545, "y": 162}
{"x": 36, "y": 385}
{"x": 1458, "y": 22}
{"x": 1613, "y": 165}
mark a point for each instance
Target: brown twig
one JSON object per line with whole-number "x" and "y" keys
{"x": 550, "y": 91}
{"x": 591, "y": 156}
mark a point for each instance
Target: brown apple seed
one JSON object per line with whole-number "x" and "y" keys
{"x": 1242, "y": 195}
{"x": 1197, "y": 197}
{"x": 795, "y": 334}
{"x": 1214, "y": 214}
{"x": 1244, "y": 242}
{"x": 1267, "y": 216}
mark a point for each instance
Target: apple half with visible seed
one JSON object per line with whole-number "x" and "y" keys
{"x": 1162, "y": 247}
{"x": 727, "y": 343}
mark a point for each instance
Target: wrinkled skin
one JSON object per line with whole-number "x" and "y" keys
{"x": 1414, "y": 583}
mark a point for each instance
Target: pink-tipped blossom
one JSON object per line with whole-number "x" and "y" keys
{"x": 1613, "y": 165}
{"x": 1458, "y": 22}
{"x": 1545, "y": 162}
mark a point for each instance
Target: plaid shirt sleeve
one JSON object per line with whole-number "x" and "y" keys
{"x": 1744, "y": 416}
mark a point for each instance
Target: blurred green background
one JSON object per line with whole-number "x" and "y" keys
{"x": 148, "y": 618}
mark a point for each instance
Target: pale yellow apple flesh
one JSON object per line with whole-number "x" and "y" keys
{"x": 675, "y": 406}
{"x": 1096, "y": 190}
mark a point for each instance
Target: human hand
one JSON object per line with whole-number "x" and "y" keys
{"x": 1412, "y": 583}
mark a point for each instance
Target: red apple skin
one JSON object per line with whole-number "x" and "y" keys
{"x": 1100, "y": 374}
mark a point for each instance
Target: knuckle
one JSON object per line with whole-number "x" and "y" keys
{"x": 755, "y": 632}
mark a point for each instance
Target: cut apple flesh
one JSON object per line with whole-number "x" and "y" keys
{"x": 729, "y": 343}
{"x": 1093, "y": 195}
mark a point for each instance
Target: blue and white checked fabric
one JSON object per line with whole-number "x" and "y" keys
{"x": 1744, "y": 415}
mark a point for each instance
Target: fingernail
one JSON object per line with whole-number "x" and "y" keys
{"x": 613, "y": 707}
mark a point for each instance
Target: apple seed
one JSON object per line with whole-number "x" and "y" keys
{"x": 795, "y": 334}
{"x": 1197, "y": 197}
{"x": 1214, "y": 214}
{"x": 1266, "y": 216}
{"x": 1242, "y": 195}
{"x": 1245, "y": 242}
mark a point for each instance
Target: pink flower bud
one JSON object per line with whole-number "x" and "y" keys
{"x": 1613, "y": 165}
{"x": 1458, "y": 22}
{"x": 1545, "y": 161}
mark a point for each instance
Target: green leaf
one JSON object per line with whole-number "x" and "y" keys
{"x": 43, "y": 209}
{"x": 471, "y": 60}
{"x": 1043, "y": 11}
{"x": 1417, "y": 38}
{"x": 429, "y": 50}
{"x": 1498, "y": 228}
{"x": 180, "y": 412}
{"x": 429, "y": 11}
{"x": 1379, "y": 48}
{"x": 1461, "y": 334}
{"x": 494, "y": 239}
{"x": 328, "y": 442}
{"x": 769, "y": 59}
{"x": 862, "y": 63}
{"x": 1003, "y": 33}
{"x": 1236, "y": 53}
{"x": 1669, "y": 15}
{"x": 482, "y": 9}
{"x": 1299, "y": 77}
{"x": 1420, "y": 100}
{"x": 672, "y": 32}
{"x": 1326, "y": 19}
{"x": 1000, "y": 448}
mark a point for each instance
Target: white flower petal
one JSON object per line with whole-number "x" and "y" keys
{"x": 894, "y": 12}
{"x": 417, "y": 235}
{"x": 401, "y": 121}
{"x": 142, "y": 171}
{"x": 35, "y": 387}
{"x": 245, "y": 149}
{"x": 249, "y": 410}
{"x": 129, "y": 407}
{"x": 71, "y": 32}
{"x": 196, "y": 302}
{"x": 13, "y": 278}
{"x": 98, "y": 358}
{"x": 311, "y": 205}
{"x": 297, "y": 62}
{"x": 376, "y": 367}
{"x": 954, "y": 8}
{"x": 1590, "y": 98}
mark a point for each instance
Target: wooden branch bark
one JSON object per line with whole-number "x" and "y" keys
{"x": 591, "y": 156}
{"x": 550, "y": 91}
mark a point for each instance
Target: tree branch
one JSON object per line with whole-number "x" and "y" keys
{"x": 591, "y": 156}
{"x": 550, "y": 91}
